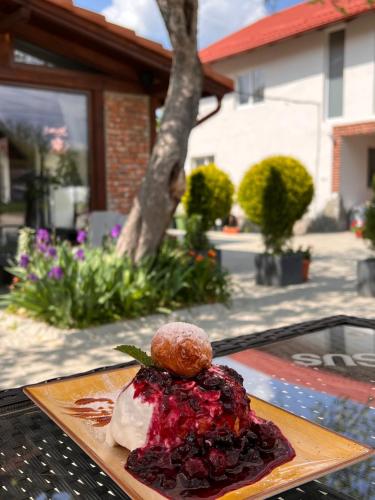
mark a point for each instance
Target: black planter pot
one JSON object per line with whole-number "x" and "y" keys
{"x": 279, "y": 270}
{"x": 366, "y": 277}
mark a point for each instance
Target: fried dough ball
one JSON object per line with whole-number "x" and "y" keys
{"x": 181, "y": 348}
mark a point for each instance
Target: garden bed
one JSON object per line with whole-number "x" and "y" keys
{"x": 80, "y": 286}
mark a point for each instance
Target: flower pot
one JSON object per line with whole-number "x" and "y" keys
{"x": 231, "y": 229}
{"x": 305, "y": 269}
{"x": 279, "y": 270}
{"x": 366, "y": 277}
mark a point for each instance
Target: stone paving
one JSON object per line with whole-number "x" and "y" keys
{"x": 31, "y": 351}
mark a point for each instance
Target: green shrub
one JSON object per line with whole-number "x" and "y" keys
{"x": 275, "y": 224}
{"x": 369, "y": 231}
{"x": 195, "y": 236}
{"x": 275, "y": 194}
{"x": 209, "y": 193}
{"x": 80, "y": 286}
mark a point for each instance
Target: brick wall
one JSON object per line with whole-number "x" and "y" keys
{"x": 127, "y": 134}
{"x": 336, "y": 167}
{"x": 338, "y": 133}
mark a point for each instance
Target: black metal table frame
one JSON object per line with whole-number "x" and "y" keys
{"x": 14, "y": 400}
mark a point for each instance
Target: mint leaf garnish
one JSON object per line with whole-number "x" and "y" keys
{"x": 136, "y": 353}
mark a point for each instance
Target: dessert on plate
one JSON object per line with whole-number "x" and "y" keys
{"x": 189, "y": 424}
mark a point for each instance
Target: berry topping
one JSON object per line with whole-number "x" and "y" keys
{"x": 203, "y": 437}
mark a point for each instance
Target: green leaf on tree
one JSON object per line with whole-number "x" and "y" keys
{"x": 136, "y": 353}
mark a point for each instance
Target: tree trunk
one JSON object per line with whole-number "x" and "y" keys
{"x": 164, "y": 182}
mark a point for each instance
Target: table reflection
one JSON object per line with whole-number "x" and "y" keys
{"x": 327, "y": 377}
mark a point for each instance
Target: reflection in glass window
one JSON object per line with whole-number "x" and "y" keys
{"x": 43, "y": 157}
{"x": 24, "y": 58}
{"x": 250, "y": 87}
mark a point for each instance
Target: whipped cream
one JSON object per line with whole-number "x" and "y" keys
{"x": 130, "y": 421}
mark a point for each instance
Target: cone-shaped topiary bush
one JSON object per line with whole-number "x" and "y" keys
{"x": 275, "y": 194}
{"x": 209, "y": 193}
{"x": 369, "y": 232}
{"x": 195, "y": 236}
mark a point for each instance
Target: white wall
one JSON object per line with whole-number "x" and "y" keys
{"x": 295, "y": 70}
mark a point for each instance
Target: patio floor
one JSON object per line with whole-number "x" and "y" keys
{"x": 31, "y": 352}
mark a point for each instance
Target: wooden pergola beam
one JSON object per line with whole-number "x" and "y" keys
{"x": 21, "y": 15}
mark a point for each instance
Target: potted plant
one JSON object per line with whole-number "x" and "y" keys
{"x": 357, "y": 220}
{"x": 366, "y": 267}
{"x": 306, "y": 261}
{"x": 275, "y": 194}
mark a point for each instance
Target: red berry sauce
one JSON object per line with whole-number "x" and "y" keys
{"x": 204, "y": 440}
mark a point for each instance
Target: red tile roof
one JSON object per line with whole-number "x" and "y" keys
{"x": 285, "y": 24}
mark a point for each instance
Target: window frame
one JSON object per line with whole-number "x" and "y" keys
{"x": 62, "y": 62}
{"x": 251, "y": 96}
{"x": 88, "y": 97}
{"x": 65, "y": 80}
{"x": 194, "y": 164}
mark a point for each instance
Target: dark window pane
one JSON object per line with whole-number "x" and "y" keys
{"x": 336, "y": 73}
{"x": 43, "y": 157}
{"x": 371, "y": 167}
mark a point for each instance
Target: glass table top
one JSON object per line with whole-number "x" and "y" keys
{"x": 327, "y": 377}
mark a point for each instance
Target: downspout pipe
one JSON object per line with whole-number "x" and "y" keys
{"x": 212, "y": 113}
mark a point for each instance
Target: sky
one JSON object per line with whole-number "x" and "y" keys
{"x": 217, "y": 18}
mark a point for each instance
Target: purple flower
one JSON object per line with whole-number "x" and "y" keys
{"x": 24, "y": 261}
{"x": 116, "y": 231}
{"x": 81, "y": 236}
{"x": 52, "y": 252}
{"x": 42, "y": 247}
{"x": 56, "y": 273}
{"x": 32, "y": 277}
{"x": 42, "y": 236}
{"x": 80, "y": 254}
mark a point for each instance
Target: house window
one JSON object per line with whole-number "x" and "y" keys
{"x": 250, "y": 87}
{"x": 202, "y": 160}
{"x": 43, "y": 157}
{"x": 27, "y": 53}
{"x": 370, "y": 167}
{"x": 336, "y": 73}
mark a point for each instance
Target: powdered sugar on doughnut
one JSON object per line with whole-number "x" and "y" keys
{"x": 178, "y": 331}
{"x": 182, "y": 348}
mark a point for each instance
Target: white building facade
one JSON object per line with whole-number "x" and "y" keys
{"x": 311, "y": 97}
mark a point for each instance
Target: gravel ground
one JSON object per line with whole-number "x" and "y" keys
{"x": 32, "y": 352}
